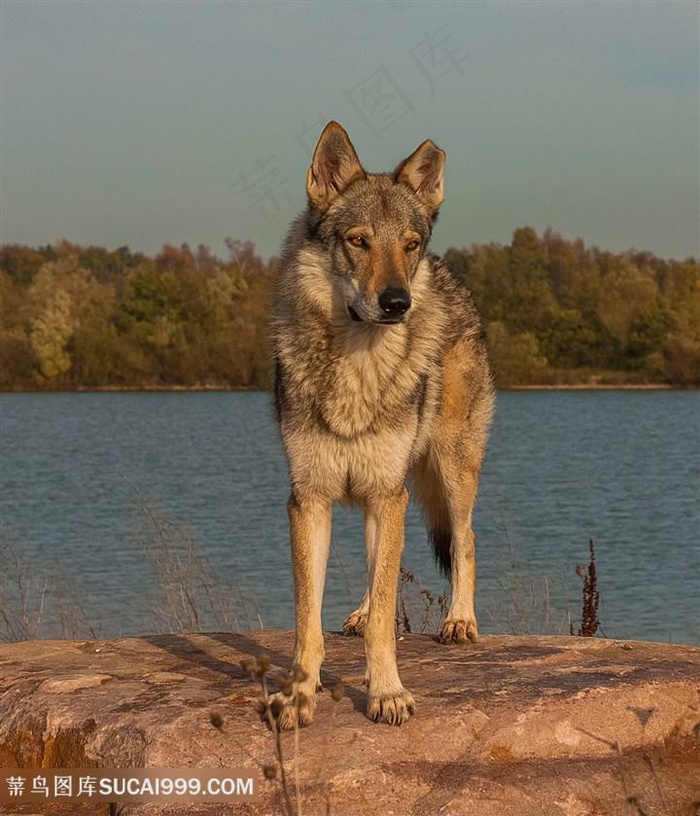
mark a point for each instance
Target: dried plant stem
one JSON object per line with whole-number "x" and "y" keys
{"x": 590, "y": 596}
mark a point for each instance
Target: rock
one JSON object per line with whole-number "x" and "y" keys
{"x": 511, "y": 726}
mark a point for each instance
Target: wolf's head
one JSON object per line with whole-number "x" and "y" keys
{"x": 375, "y": 226}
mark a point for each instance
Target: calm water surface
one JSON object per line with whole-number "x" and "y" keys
{"x": 620, "y": 467}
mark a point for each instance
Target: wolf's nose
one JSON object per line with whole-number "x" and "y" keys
{"x": 394, "y": 302}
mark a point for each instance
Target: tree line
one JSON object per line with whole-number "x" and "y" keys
{"x": 555, "y": 312}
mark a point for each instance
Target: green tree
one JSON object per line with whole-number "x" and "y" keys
{"x": 569, "y": 339}
{"x": 681, "y": 345}
{"x": 625, "y": 293}
{"x": 529, "y": 297}
{"x": 96, "y": 347}
{"x": 515, "y": 358}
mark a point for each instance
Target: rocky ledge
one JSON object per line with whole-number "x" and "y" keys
{"x": 512, "y": 726}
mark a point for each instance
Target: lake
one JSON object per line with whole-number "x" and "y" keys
{"x": 101, "y": 494}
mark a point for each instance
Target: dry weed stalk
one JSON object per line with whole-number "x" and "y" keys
{"x": 269, "y": 707}
{"x": 633, "y": 802}
{"x": 590, "y": 597}
{"x": 421, "y": 600}
{"x": 405, "y": 577}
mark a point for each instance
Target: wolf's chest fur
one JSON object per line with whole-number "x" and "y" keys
{"x": 374, "y": 378}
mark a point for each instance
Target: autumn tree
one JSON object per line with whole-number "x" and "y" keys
{"x": 59, "y": 297}
{"x": 554, "y": 311}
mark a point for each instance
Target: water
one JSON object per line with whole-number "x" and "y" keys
{"x": 79, "y": 473}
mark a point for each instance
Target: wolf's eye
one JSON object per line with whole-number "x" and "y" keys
{"x": 412, "y": 245}
{"x": 357, "y": 241}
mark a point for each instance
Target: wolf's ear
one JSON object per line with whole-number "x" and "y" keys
{"x": 333, "y": 168}
{"x": 422, "y": 172}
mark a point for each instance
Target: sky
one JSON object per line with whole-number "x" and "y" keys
{"x": 145, "y": 123}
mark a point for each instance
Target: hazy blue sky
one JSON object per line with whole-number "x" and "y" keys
{"x": 144, "y": 123}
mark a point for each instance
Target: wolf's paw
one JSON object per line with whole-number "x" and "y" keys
{"x": 289, "y": 712}
{"x": 394, "y": 709}
{"x": 458, "y": 631}
{"x": 354, "y": 624}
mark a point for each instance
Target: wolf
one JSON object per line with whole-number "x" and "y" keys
{"x": 382, "y": 380}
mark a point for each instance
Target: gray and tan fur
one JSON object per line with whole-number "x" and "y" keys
{"x": 381, "y": 377}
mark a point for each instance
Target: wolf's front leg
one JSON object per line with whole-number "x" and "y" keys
{"x": 310, "y": 531}
{"x": 387, "y": 699}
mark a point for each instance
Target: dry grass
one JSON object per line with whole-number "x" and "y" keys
{"x": 37, "y": 601}
{"x": 187, "y": 596}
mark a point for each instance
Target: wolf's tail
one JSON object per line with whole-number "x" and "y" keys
{"x": 441, "y": 539}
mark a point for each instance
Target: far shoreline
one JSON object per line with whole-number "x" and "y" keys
{"x": 599, "y": 387}
{"x": 180, "y": 389}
